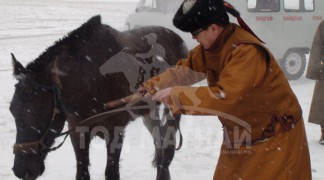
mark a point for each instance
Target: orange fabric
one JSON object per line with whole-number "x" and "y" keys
{"x": 245, "y": 87}
{"x": 283, "y": 157}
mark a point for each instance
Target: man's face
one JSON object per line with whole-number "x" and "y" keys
{"x": 207, "y": 37}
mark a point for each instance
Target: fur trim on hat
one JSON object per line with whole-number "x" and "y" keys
{"x": 192, "y": 16}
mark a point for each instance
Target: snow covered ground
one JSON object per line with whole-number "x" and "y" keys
{"x": 28, "y": 27}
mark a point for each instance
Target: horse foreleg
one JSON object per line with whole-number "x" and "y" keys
{"x": 80, "y": 144}
{"x": 114, "y": 147}
{"x": 168, "y": 133}
{"x": 163, "y": 155}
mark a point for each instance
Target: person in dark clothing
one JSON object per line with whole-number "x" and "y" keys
{"x": 315, "y": 71}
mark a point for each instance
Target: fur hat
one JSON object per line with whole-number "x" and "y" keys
{"x": 196, "y": 14}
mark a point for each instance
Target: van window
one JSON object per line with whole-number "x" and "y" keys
{"x": 146, "y": 5}
{"x": 263, "y": 5}
{"x": 165, "y": 6}
{"x": 299, "y": 5}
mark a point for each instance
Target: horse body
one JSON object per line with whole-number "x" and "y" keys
{"x": 73, "y": 79}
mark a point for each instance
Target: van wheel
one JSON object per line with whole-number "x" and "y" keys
{"x": 293, "y": 64}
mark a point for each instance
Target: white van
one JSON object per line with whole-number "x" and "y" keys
{"x": 286, "y": 26}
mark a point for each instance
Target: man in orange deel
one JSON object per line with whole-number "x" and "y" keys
{"x": 246, "y": 90}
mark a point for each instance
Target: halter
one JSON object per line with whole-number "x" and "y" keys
{"x": 39, "y": 147}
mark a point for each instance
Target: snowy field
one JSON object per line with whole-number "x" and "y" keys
{"x": 28, "y": 27}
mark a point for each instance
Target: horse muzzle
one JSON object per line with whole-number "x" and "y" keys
{"x": 28, "y": 168}
{"x": 22, "y": 174}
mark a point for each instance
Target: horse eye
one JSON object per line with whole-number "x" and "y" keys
{"x": 32, "y": 92}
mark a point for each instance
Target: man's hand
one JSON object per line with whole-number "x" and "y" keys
{"x": 143, "y": 91}
{"x": 163, "y": 95}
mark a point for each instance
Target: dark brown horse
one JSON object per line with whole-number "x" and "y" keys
{"x": 73, "y": 79}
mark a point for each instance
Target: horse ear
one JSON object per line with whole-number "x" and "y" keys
{"x": 19, "y": 71}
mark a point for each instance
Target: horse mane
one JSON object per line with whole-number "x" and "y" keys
{"x": 84, "y": 31}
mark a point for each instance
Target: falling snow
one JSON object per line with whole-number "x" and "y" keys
{"x": 28, "y": 28}
{"x": 88, "y": 58}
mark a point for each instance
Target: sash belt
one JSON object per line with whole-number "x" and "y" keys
{"x": 287, "y": 122}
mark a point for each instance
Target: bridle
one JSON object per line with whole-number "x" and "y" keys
{"x": 39, "y": 146}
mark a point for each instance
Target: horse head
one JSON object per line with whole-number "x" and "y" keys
{"x": 35, "y": 109}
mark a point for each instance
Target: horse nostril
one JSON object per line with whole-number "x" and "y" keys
{"x": 29, "y": 176}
